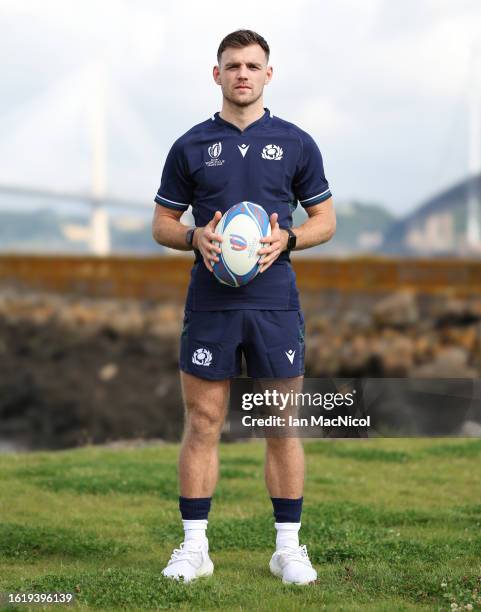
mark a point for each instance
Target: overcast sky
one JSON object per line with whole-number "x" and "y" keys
{"x": 381, "y": 85}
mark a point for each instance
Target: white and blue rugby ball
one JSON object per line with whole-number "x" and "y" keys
{"x": 241, "y": 227}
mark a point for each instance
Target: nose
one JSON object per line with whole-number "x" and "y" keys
{"x": 242, "y": 73}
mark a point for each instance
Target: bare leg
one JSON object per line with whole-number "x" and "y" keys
{"x": 285, "y": 479}
{"x": 205, "y": 404}
{"x": 284, "y": 467}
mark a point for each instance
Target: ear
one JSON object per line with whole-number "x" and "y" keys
{"x": 216, "y": 74}
{"x": 269, "y": 74}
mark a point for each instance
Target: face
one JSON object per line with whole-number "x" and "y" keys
{"x": 242, "y": 74}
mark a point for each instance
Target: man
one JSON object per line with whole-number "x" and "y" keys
{"x": 242, "y": 153}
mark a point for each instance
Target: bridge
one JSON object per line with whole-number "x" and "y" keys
{"x": 90, "y": 99}
{"x": 433, "y": 228}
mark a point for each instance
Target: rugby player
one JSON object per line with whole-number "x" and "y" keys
{"x": 244, "y": 152}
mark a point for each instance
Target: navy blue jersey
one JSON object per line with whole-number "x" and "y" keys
{"x": 215, "y": 165}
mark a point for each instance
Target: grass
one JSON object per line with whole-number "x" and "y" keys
{"x": 391, "y": 524}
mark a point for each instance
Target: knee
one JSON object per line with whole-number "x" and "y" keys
{"x": 203, "y": 422}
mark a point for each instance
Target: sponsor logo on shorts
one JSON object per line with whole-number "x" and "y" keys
{"x": 273, "y": 152}
{"x": 202, "y": 356}
{"x": 290, "y": 355}
{"x": 238, "y": 243}
{"x": 214, "y": 152}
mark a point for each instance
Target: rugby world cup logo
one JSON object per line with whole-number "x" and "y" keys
{"x": 215, "y": 150}
{"x": 273, "y": 152}
{"x": 238, "y": 243}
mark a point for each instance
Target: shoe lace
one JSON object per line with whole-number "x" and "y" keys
{"x": 184, "y": 554}
{"x": 297, "y": 554}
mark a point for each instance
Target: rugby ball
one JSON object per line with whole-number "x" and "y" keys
{"x": 241, "y": 227}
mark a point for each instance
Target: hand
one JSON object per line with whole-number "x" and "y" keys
{"x": 274, "y": 244}
{"x": 203, "y": 237}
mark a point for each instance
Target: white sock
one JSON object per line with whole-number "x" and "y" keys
{"x": 195, "y": 530}
{"x": 287, "y": 535}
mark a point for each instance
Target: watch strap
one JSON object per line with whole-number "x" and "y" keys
{"x": 189, "y": 236}
{"x": 292, "y": 240}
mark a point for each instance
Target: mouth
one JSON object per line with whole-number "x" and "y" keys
{"x": 242, "y": 87}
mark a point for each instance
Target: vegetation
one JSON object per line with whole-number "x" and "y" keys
{"x": 390, "y": 524}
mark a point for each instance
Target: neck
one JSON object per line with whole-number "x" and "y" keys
{"x": 241, "y": 116}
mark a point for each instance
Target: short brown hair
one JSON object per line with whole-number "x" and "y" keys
{"x": 242, "y": 38}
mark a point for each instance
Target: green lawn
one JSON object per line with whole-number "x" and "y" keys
{"x": 390, "y": 525}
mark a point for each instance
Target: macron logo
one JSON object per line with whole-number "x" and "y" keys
{"x": 290, "y": 355}
{"x": 243, "y": 148}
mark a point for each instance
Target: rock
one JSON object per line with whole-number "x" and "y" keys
{"x": 317, "y": 324}
{"x": 354, "y": 356}
{"x": 397, "y": 310}
{"x": 463, "y": 337}
{"x": 108, "y": 372}
{"x": 424, "y": 347}
{"x": 359, "y": 320}
{"x": 456, "y": 311}
{"x": 322, "y": 357}
{"x": 395, "y": 354}
{"x": 470, "y": 429}
{"x": 450, "y": 362}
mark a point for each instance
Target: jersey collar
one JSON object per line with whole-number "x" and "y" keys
{"x": 266, "y": 117}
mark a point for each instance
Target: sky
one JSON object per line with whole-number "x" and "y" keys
{"x": 381, "y": 85}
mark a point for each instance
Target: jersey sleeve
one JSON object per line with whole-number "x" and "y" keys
{"x": 176, "y": 189}
{"x": 310, "y": 184}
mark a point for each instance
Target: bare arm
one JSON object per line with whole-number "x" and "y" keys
{"x": 170, "y": 232}
{"x": 167, "y": 228}
{"x": 319, "y": 227}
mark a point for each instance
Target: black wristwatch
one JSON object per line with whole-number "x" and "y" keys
{"x": 189, "y": 237}
{"x": 291, "y": 241}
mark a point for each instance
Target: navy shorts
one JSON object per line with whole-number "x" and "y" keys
{"x": 272, "y": 341}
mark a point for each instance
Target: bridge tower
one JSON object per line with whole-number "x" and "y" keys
{"x": 473, "y": 233}
{"x": 99, "y": 221}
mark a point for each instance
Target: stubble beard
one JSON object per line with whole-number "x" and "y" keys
{"x": 241, "y": 103}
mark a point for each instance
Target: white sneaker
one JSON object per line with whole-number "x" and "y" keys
{"x": 189, "y": 562}
{"x": 293, "y": 565}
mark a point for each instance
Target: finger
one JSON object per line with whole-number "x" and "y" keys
{"x": 268, "y": 257}
{"x": 274, "y": 235}
{"x": 212, "y": 247}
{"x": 267, "y": 249}
{"x": 215, "y": 219}
{"x": 211, "y": 254}
{"x": 268, "y": 260}
{"x": 267, "y": 239}
{"x": 211, "y": 236}
{"x": 275, "y": 242}
{"x": 271, "y": 240}
{"x": 266, "y": 266}
{"x": 273, "y": 219}
{"x": 207, "y": 265}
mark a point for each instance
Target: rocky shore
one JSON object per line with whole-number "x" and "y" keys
{"x": 76, "y": 370}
